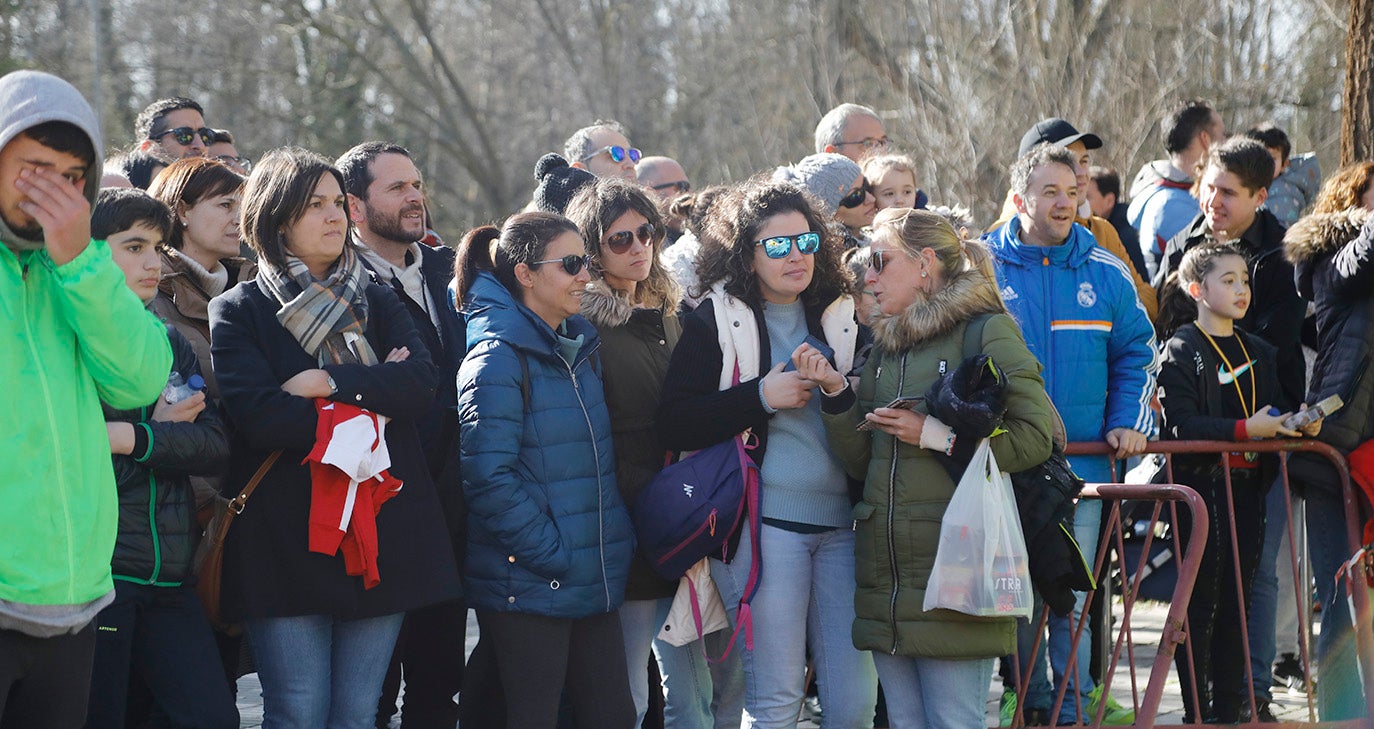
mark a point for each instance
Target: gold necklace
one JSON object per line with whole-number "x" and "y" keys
{"x": 1250, "y": 409}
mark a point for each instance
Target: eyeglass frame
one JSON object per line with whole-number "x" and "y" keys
{"x": 792, "y": 240}
{"x": 869, "y": 143}
{"x": 861, "y": 192}
{"x": 565, "y": 261}
{"x": 244, "y": 162}
{"x": 683, "y": 186}
{"x": 648, "y": 238}
{"x": 206, "y": 134}
{"x": 632, "y": 153}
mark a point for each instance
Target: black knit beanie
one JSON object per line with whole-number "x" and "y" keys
{"x": 558, "y": 182}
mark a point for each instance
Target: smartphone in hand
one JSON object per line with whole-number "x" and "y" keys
{"x": 901, "y": 403}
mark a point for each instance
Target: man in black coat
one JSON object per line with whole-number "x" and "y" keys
{"x": 1233, "y": 187}
{"x": 386, "y": 201}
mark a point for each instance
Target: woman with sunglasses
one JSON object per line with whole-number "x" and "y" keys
{"x": 310, "y": 341}
{"x": 632, "y": 302}
{"x": 548, "y": 538}
{"x": 771, "y": 263}
{"x": 929, "y": 284}
{"x": 839, "y": 183}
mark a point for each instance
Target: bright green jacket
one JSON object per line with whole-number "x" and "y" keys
{"x": 70, "y": 337}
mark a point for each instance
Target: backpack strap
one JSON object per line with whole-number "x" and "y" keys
{"x": 973, "y": 334}
{"x": 524, "y": 377}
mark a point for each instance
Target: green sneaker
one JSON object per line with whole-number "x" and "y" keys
{"x": 1006, "y": 712}
{"x": 1115, "y": 715}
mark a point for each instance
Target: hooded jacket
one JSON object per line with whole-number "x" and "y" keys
{"x": 906, "y": 488}
{"x": 1333, "y": 255}
{"x": 1162, "y": 204}
{"x": 73, "y": 335}
{"x": 1081, "y": 318}
{"x": 548, "y": 533}
{"x": 636, "y": 345}
{"x": 1291, "y": 192}
{"x": 158, "y": 530}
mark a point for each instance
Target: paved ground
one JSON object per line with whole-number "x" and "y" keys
{"x": 1145, "y": 624}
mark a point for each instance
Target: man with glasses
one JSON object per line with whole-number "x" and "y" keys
{"x": 668, "y": 180}
{"x": 852, "y": 130}
{"x": 224, "y": 150}
{"x": 602, "y": 149}
{"x": 386, "y": 201}
{"x": 173, "y": 128}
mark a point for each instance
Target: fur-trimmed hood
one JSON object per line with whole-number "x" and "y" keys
{"x": 1320, "y": 234}
{"x": 605, "y": 307}
{"x": 968, "y": 294}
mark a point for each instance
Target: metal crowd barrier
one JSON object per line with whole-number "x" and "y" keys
{"x": 1146, "y": 701}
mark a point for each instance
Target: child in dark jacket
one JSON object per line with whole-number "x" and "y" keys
{"x": 1218, "y": 382}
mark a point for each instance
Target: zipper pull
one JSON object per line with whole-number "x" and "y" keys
{"x": 712, "y": 521}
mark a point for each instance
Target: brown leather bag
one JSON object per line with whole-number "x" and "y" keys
{"x": 209, "y": 560}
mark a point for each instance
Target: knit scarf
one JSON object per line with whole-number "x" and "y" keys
{"x": 327, "y": 317}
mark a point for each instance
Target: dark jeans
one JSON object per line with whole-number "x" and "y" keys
{"x": 44, "y": 681}
{"x": 1214, "y": 628}
{"x": 430, "y": 650}
{"x": 537, "y": 656}
{"x": 1339, "y": 692}
{"x": 161, "y": 635}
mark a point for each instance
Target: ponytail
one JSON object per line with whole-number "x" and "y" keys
{"x": 522, "y": 239}
{"x": 474, "y": 256}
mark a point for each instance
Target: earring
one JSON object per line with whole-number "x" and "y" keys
{"x": 925, "y": 273}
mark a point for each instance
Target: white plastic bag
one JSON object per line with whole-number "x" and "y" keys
{"x": 981, "y": 565}
{"x": 681, "y": 626}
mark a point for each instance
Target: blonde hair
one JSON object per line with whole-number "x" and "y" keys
{"x": 875, "y": 167}
{"x": 917, "y": 230}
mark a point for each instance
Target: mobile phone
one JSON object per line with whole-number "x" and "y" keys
{"x": 900, "y": 403}
{"x": 825, "y": 349}
{"x": 1316, "y": 412}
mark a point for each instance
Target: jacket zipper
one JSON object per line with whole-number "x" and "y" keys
{"x": 891, "y": 514}
{"x": 596, "y": 457}
{"x": 152, "y": 518}
{"x": 709, "y": 522}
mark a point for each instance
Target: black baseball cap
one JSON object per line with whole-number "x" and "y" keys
{"x": 1058, "y": 132}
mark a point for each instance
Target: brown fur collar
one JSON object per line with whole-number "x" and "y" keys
{"x": 967, "y": 295}
{"x": 1316, "y": 235}
{"x": 605, "y": 307}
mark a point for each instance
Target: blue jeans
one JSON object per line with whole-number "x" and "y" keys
{"x": 1339, "y": 694}
{"x": 1264, "y": 592}
{"x": 1040, "y": 695}
{"x": 318, "y": 671}
{"x": 932, "y": 693}
{"x": 805, "y": 599}
{"x": 687, "y": 680}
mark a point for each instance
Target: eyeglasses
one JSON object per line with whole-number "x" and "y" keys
{"x": 682, "y": 186}
{"x": 617, "y": 152}
{"x": 229, "y": 159}
{"x": 572, "y": 263}
{"x": 871, "y": 144}
{"x": 184, "y": 135}
{"x": 781, "y": 245}
{"x": 856, "y": 197}
{"x": 621, "y": 241}
{"x": 878, "y": 261}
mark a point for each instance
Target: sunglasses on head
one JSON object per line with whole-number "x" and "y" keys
{"x": 682, "y": 186}
{"x": 617, "y": 152}
{"x": 621, "y": 241}
{"x": 184, "y": 135}
{"x": 855, "y": 198}
{"x": 572, "y": 263}
{"x": 780, "y": 245}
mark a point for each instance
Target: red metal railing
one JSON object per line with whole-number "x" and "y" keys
{"x": 1174, "y": 634}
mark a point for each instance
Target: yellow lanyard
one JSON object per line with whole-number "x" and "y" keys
{"x": 1250, "y": 409}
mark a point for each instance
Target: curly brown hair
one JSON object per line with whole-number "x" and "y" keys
{"x": 733, "y": 225}
{"x": 1345, "y": 189}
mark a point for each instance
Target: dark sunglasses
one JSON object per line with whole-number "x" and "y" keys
{"x": 681, "y": 186}
{"x": 781, "y": 245}
{"x": 572, "y": 263}
{"x": 877, "y": 261}
{"x": 621, "y": 241}
{"x": 184, "y": 135}
{"x": 855, "y": 198}
{"x": 617, "y": 152}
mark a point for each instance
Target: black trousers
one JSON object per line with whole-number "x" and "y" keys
{"x": 1214, "y": 631}
{"x": 538, "y": 656}
{"x": 430, "y": 652}
{"x": 161, "y": 637}
{"x": 44, "y": 682}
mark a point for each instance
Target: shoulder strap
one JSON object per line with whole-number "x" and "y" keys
{"x": 973, "y": 334}
{"x": 239, "y": 501}
{"x": 524, "y": 377}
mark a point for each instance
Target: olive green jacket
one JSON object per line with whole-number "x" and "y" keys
{"x": 906, "y": 489}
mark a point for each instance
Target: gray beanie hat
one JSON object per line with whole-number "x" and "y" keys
{"x": 827, "y": 175}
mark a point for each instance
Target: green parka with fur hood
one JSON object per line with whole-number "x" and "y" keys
{"x": 906, "y": 489}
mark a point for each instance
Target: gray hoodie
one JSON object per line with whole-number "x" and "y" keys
{"x": 30, "y": 98}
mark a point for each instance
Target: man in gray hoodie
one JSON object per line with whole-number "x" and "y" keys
{"x": 71, "y": 334}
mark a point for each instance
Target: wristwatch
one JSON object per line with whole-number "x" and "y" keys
{"x": 333, "y": 386}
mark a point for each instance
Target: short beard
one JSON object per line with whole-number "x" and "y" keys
{"x": 391, "y": 228}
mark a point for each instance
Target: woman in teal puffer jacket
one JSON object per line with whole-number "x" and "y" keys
{"x": 549, "y": 538}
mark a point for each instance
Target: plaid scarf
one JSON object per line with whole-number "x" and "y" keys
{"x": 327, "y": 317}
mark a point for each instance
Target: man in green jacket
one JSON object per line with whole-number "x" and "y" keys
{"x": 71, "y": 334}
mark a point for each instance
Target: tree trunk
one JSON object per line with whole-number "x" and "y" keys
{"x": 1357, "y": 118}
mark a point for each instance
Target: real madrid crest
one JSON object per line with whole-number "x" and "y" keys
{"x": 1086, "y": 296}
